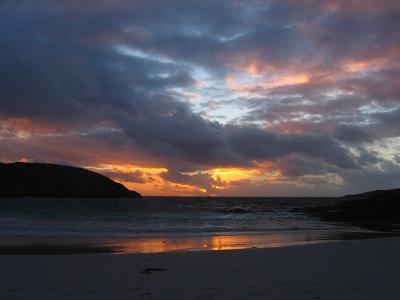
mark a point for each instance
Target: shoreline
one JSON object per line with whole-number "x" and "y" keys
{"x": 356, "y": 269}
{"x": 171, "y": 244}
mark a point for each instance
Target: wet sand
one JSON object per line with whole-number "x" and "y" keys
{"x": 81, "y": 245}
{"x": 361, "y": 269}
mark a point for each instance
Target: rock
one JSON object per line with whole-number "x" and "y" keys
{"x": 50, "y": 180}
{"x": 377, "y": 210}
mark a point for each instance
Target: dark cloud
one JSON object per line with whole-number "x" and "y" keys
{"x": 391, "y": 117}
{"x": 352, "y": 134}
{"x": 397, "y": 158}
{"x": 258, "y": 144}
{"x": 385, "y": 177}
{"x": 293, "y": 167}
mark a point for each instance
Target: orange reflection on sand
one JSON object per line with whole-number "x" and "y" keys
{"x": 214, "y": 243}
{"x": 230, "y": 242}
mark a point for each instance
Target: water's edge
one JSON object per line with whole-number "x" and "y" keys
{"x": 62, "y": 245}
{"x": 163, "y": 224}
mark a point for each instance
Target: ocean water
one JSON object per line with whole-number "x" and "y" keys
{"x": 169, "y": 223}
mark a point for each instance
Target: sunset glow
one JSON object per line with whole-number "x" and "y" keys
{"x": 282, "y": 97}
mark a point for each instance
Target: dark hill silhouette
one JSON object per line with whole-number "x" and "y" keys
{"x": 50, "y": 180}
{"x": 377, "y": 193}
{"x": 377, "y": 210}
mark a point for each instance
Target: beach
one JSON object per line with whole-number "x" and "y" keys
{"x": 205, "y": 150}
{"x": 351, "y": 269}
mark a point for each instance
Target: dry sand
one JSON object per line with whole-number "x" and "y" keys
{"x": 365, "y": 269}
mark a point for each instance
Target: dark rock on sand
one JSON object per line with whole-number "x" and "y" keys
{"x": 50, "y": 180}
{"x": 150, "y": 271}
{"x": 377, "y": 210}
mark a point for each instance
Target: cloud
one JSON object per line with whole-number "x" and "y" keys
{"x": 136, "y": 176}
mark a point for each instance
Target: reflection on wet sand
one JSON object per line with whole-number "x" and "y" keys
{"x": 55, "y": 245}
{"x": 220, "y": 242}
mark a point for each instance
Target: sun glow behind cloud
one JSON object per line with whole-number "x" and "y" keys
{"x": 151, "y": 181}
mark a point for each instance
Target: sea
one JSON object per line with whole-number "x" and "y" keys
{"x": 167, "y": 224}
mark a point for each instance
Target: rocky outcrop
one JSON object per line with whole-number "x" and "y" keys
{"x": 377, "y": 210}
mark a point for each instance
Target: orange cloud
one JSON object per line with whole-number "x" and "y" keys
{"x": 155, "y": 185}
{"x": 252, "y": 64}
{"x": 160, "y": 187}
{"x": 254, "y": 87}
{"x": 286, "y": 80}
{"x": 233, "y": 174}
{"x": 366, "y": 61}
{"x": 128, "y": 169}
{"x": 359, "y": 66}
{"x": 23, "y": 127}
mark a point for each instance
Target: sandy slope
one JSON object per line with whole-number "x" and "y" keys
{"x": 367, "y": 269}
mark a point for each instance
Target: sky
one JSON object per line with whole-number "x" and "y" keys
{"x": 208, "y": 98}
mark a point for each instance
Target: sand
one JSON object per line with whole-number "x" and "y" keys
{"x": 363, "y": 269}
